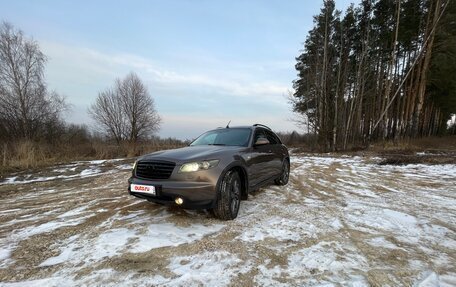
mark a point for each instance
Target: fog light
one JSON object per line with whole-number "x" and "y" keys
{"x": 179, "y": 201}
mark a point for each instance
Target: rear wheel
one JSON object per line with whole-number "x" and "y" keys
{"x": 283, "y": 179}
{"x": 229, "y": 196}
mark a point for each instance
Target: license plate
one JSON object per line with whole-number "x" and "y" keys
{"x": 149, "y": 189}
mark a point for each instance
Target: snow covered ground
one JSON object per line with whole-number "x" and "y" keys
{"x": 341, "y": 221}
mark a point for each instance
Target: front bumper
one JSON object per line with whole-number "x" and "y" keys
{"x": 195, "y": 195}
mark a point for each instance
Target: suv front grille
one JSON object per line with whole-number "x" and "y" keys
{"x": 154, "y": 169}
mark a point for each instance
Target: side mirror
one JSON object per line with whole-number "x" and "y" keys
{"x": 261, "y": 141}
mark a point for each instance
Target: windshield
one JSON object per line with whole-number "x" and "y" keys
{"x": 230, "y": 137}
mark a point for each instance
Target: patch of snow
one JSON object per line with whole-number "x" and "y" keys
{"x": 381, "y": 242}
{"x": 84, "y": 173}
{"x": 208, "y": 269}
{"x": 431, "y": 232}
{"x": 49, "y": 282}
{"x": 168, "y": 234}
{"x": 386, "y": 220}
{"x": 58, "y": 173}
{"x": 99, "y": 161}
{"x": 116, "y": 241}
{"x": 430, "y": 279}
{"x": 111, "y": 243}
{"x": 89, "y": 171}
{"x": 48, "y": 227}
{"x": 64, "y": 169}
{"x": 400, "y": 217}
{"x": 5, "y": 254}
{"x": 336, "y": 224}
{"x": 99, "y": 277}
{"x": 73, "y": 212}
{"x": 10, "y": 210}
{"x": 363, "y": 192}
{"x": 65, "y": 255}
{"x": 9, "y": 180}
{"x": 324, "y": 256}
{"x": 447, "y": 280}
{"x": 326, "y": 263}
{"x": 278, "y": 228}
{"x": 124, "y": 167}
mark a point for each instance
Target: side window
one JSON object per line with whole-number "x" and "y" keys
{"x": 277, "y": 138}
{"x": 271, "y": 137}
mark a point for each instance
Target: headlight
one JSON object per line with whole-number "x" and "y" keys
{"x": 195, "y": 166}
{"x": 134, "y": 165}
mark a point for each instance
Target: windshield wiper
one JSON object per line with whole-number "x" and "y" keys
{"x": 217, "y": 144}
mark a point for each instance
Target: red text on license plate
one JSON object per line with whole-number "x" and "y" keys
{"x": 143, "y": 188}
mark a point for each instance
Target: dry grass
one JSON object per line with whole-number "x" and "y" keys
{"x": 429, "y": 150}
{"x": 33, "y": 155}
{"x": 401, "y": 159}
{"x": 435, "y": 144}
{"x": 409, "y": 146}
{"x": 433, "y": 150}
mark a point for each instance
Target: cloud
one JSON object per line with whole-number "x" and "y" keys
{"x": 189, "y": 102}
{"x": 110, "y": 65}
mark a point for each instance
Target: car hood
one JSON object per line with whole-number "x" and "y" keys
{"x": 193, "y": 153}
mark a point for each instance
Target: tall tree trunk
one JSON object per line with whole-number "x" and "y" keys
{"x": 430, "y": 28}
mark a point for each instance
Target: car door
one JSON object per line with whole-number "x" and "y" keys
{"x": 277, "y": 156}
{"x": 260, "y": 163}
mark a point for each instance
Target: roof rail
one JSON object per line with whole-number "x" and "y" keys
{"x": 260, "y": 125}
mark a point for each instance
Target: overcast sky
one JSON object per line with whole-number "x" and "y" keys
{"x": 204, "y": 62}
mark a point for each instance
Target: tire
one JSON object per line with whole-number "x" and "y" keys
{"x": 229, "y": 196}
{"x": 285, "y": 176}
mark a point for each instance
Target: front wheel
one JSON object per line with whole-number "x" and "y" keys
{"x": 283, "y": 179}
{"x": 229, "y": 196}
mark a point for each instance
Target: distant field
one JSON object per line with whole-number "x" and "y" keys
{"x": 341, "y": 220}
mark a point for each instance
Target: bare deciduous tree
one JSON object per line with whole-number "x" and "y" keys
{"x": 127, "y": 111}
{"x": 26, "y": 106}
{"x": 108, "y": 113}
{"x": 138, "y": 107}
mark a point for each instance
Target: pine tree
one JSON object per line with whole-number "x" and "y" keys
{"x": 385, "y": 70}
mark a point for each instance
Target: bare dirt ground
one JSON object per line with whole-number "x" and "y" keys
{"x": 342, "y": 221}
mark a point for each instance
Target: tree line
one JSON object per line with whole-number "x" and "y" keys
{"x": 383, "y": 70}
{"x": 31, "y": 116}
{"x": 28, "y": 109}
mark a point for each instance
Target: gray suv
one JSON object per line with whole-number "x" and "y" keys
{"x": 215, "y": 171}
